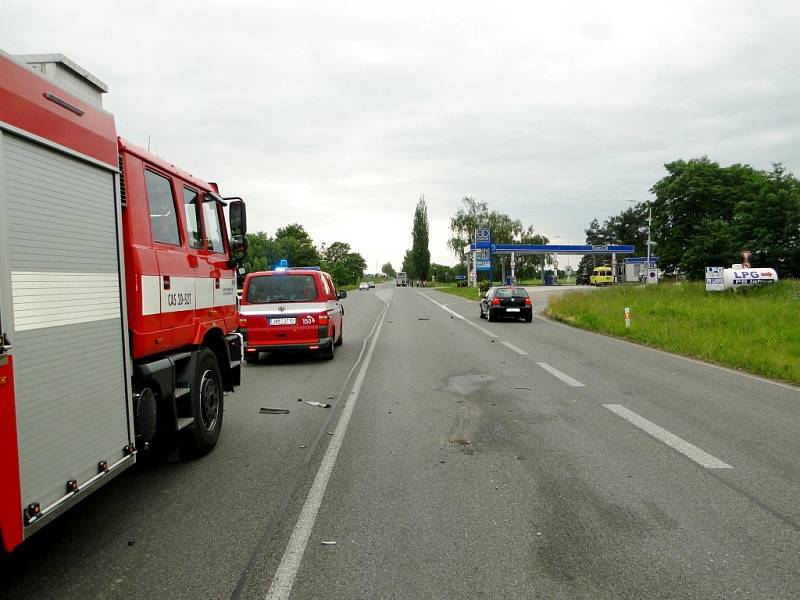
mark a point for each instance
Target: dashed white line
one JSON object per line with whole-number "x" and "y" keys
{"x": 458, "y": 316}
{"x": 511, "y": 346}
{"x": 562, "y": 376}
{"x": 702, "y": 458}
{"x": 283, "y": 581}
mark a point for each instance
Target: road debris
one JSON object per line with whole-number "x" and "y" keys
{"x": 274, "y": 411}
{"x": 328, "y": 543}
{"x": 320, "y": 404}
{"x": 330, "y": 433}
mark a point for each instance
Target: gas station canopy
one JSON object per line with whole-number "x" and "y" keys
{"x": 554, "y": 249}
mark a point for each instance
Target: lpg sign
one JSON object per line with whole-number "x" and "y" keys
{"x": 738, "y": 276}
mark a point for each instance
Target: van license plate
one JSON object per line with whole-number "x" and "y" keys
{"x": 512, "y": 310}
{"x": 282, "y": 321}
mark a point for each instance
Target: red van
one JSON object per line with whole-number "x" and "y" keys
{"x": 291, "y": 310}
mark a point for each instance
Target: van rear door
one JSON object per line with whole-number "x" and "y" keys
{"x": 283, "y": 309}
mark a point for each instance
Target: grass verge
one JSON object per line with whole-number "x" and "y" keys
{"x": 469, "y": 293}
{"x": 755, "y": 329}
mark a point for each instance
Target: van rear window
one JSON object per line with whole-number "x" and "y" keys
{"x": 282, "y": 288}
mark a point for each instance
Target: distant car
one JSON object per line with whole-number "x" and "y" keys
{"x": 363, "y": 285}
{"x": 290, "y": 310}
{"x": 582, "y": 278}
{"x": 371, "y": 284}
{"x": 507, "y": 302}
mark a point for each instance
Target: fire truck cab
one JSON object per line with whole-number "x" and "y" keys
{"x": 118, "y": 316}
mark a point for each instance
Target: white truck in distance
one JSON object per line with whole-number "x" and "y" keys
{"x": 401, "y": 279}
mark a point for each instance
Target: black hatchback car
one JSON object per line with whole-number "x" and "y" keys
{"x": 507, "y": 302}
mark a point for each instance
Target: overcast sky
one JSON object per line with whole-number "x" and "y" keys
{"x": 339, "y": 115}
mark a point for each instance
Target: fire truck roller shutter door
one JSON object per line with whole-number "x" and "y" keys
{"x": 70, "y": 355}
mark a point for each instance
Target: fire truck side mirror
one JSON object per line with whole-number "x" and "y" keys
{"x": 238, "y": 244}
{"x": 237, "y": 214}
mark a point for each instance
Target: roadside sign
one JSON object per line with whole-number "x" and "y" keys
{"x": 483, "y": 234}
{"x": 714, "y": 279}
{"x": 483, "y": 259}
{"x": 460, "y": 277}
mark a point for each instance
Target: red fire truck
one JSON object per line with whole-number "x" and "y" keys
{"x": 118, "y": 311}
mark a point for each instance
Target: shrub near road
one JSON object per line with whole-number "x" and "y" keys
{"x": 755, "y": 329}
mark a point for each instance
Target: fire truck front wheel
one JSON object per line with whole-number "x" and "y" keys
{"x": 207, "y": 406}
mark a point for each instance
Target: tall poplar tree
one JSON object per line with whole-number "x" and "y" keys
{"x": 420, "y": 254}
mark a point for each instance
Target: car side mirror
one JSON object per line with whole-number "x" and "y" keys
{"x": 341, "y": 295}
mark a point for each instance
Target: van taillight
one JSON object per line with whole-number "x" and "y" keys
{"x": 242, "y": 322}
{"x": 323, "y": 317}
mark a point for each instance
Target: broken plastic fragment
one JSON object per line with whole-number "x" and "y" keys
{"x": 274, "y": 411}
{"x": 328, "y": 543}
{"x": 315, "y": 403}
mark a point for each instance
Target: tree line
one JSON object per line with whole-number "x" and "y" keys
{"x": 706, "y": 215}
{"x": 505, "y": 230}
{"x": 293, "y": 243}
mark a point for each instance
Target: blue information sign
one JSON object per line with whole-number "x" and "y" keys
{"x": 483, "y": 259}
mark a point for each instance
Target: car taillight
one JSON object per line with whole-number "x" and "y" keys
{"x": 496, "y": 301}
{"x": 323, "y": 317}
{"x": 527, "y": 301}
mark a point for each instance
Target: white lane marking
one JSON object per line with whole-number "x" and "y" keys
{"x": 562, "y": 376}
{"x": 458, "y": 316}
{"x": 283, "y": 581}
{"x": 702, "y": 458}
{"x": 511, "y": 346}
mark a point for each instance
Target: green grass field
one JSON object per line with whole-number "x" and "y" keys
{"x": 755, "y": 329}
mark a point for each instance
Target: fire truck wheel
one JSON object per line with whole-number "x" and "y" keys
{"x": 330, "y": 352}
{"x": 207, "y": 406}
{"x": 340, "y": 340}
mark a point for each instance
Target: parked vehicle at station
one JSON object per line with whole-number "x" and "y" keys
{"x": 507, "y": 302}
{"x": 291, "y": 310}
{"x": 117, "y": 297}
{"x": 601, "y": 276}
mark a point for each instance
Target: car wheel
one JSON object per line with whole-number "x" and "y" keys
{"x": 481, "y": 309}
{"x": 339, "y": 341}
{"x": 206, "y": 406}
{"x": 489, "y": 316}
{"x": 529, "y": 318}
{"x": 330, "y": 351}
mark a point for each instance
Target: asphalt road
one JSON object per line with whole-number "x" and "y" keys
{"x": 460, "y": 459}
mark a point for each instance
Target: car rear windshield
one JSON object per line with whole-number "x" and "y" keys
{"x": 511, "y": 293}
{"x": 282, "y": 288}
